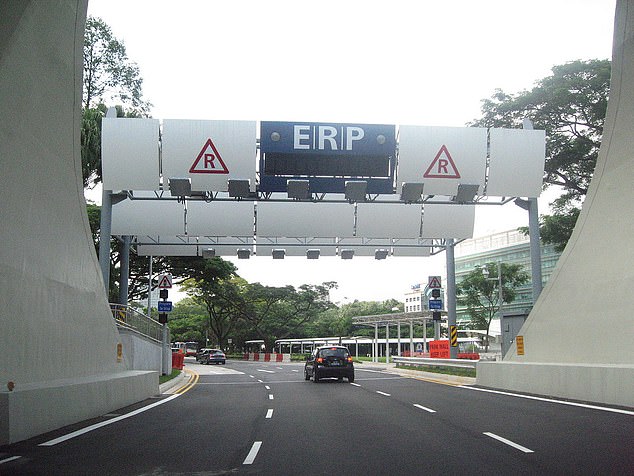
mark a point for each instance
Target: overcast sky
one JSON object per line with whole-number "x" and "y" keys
{"x": 397, "y": 62}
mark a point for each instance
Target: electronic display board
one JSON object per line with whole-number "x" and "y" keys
{"x": 327, "y": 154}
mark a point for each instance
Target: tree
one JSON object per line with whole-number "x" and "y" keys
{"x": 220, "y": 297}
{"x": 481, "y": 294}
{"x": 109, "y": 77}
{"x": 280, "y": 312}
{"x": 570, "y": 105}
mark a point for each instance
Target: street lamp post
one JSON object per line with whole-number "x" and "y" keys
{"x": 498, "y": 278}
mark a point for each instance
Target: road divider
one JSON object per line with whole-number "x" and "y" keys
{"x": 266, "y": 357}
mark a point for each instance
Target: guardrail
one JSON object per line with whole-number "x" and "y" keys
{"x": 460, "y": 363}
{"x": 130, "y": 318}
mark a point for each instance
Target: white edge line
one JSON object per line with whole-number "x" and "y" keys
{"x": 424, "y": 408}
{"x": 550, "y": 400}
{"x": 508, "y": 442}
{"x": 90, "y": 428}
{"x": 269, "y": 413}
{"x": 383, "y": 393}
{"x": 253, "y": 453}
{"x": 12, "y": 458}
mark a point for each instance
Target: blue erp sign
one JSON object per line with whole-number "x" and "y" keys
{"x": 327, "y": 154}
{"x": 165, "y": 306}
{"x": 435, "y": 304}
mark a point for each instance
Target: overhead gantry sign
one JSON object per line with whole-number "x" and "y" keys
{"x": 194, "y": 187}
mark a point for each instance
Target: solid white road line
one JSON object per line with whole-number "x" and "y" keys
{"x": 107, "y": 422}
{"x": 13, "y": 458}
{"x": 270, "y": 396}
{"x": 269, "y": 413}
{"x": 550, "y": 400}
{"x": 509, "y": 442}
{"x": 383, "y": 393}
{"x": 424, "y": 408}
{"x": 253, "y": 453}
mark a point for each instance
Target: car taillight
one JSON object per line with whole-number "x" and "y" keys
{"x": 320, "y": 360}
{"x": 349, "y": 359}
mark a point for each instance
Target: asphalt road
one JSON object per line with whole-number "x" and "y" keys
{"x": 264, "y": 418}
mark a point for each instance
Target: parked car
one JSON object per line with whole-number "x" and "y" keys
{"x": 215, "y": 356}
{"x": 329, "y": 361}
{"x": 201, "y": 355}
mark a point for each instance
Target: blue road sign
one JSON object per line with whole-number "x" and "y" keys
{"x": 435, "y": 304}
{"x": 165, "y": 306}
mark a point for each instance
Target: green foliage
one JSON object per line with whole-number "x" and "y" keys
{"x": 109, "y": 78}
{"x": 109, "y": 75}
{"x": 481, "y": 294}
{"x": 278, "y": 313}
{"x": 570, "y": 105}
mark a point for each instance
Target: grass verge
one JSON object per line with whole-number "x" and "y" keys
{"x": 165, "y": 378}
{"x": 441, "y": 370}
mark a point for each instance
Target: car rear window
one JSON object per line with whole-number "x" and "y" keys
{"x": 334, "y": 352}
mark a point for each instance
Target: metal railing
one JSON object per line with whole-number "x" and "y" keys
{"x": 462, "y": 363}
{"x": 130, "y": 318}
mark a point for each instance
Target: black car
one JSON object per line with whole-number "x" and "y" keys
{"x": 329, "y": 361}
{"x": 215, "y": 356}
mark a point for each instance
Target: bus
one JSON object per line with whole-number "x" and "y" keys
{"x": 187, "y": 348}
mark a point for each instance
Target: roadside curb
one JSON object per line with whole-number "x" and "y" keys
{"x": 176, "y": 382}
{"x": 434, "y": 377}
{"x": 420, "y": 374}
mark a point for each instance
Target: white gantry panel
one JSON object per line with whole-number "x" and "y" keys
{"x": 148, "y": 217}
{"x": 167, "y": 250}
{"x": 388, "y": 220}
{"x": 130, "y": 153}
{"x": 517, "y": 162}
{"x": 365, "y": 247}
{"x": 305, "y": 219}
{"x": 441, "y": 158}
{"x": 209, "y": 152}
{"x": 220, "y": 218}
{"x": 411, "y": 247}
{"x": 448, "y": 221}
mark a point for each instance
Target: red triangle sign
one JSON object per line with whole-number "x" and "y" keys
{"x": 209, "y": 161}
{"x": 442, "y": 166}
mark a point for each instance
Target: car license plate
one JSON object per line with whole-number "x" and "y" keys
{"x": 336, "y": 363}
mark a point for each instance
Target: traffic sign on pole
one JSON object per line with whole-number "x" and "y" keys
{"x": 165, "y": 306}
{"x": 165, "y": 281}
{"x": 434, "y": 282}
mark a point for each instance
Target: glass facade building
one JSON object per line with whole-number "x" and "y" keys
{"x": 510, "y": 247}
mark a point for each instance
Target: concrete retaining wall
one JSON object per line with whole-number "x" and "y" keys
{"x": 607, "y": 384}
{"x": 140, "y": 352}
{"x": 58, "y": 339}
